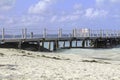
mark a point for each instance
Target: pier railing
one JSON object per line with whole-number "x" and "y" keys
{"x": 57, "y": 33}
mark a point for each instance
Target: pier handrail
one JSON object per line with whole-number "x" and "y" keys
{"x": 58, "y": 33}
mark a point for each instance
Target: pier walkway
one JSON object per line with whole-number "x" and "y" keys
{"x": 32, "y": 39}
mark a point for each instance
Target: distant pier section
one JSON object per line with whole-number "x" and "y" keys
{"x": 52, "y": 40}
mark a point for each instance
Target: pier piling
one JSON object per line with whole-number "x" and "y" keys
{"x": 83, "y": 43}
{"x": 54, "y": 46}
{"x": 70, "y": 43}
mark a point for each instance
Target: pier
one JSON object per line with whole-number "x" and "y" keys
{"x": 51, "y": 40}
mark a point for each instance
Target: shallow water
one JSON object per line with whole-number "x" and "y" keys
{"x": 104, "y": 54}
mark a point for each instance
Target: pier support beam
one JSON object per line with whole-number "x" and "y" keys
{"x": 96, "y": 43}
{"x": 49, "y": 44}
{"x": 64, "y": 44}
{"x": 57, "y": 43}
{"x": 76, "y": 43}
{"x": 38, "y": 42}
{"x": 83, "y": 44}
{"x": 54, "y": 46}
{"x": 70, "y": 43}
{"x": 87, "y": 43}
{"x": 42, "y": 43}
{"x": 20, "y": 45}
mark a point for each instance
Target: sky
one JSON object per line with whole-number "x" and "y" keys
{"x": 54, "y": 14}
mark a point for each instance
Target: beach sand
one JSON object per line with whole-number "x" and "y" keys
{"x": 28, "y": 65}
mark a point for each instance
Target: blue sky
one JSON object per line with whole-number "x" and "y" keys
{"x": 53, "y": 14}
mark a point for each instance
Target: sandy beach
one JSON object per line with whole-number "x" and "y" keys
{"x": 28, "y": 65}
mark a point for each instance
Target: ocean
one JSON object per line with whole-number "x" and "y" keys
{"x": 98, "y": 53}
{"x": 102, "y": 54}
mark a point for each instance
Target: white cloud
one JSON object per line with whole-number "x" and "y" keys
{"x": 64, "y": 18}
{"x": 92, "y": 13}
{"x": 74, "y": 15}
{"x": 6, "y": 4}
{"x": 21, "y": 21}
{"x": 28, "y": 20}
{"x": 41, "y": 6}
{"x": 67, "y": 18}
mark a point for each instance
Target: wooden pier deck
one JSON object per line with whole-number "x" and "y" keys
{"x": 58, "y": 39}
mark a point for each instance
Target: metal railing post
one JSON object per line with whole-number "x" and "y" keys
{"x": 25, "y": 33}
{"x": 22, "y": 33}
{"x": 31, "y": 35}
{"x": 89, "y": 32}
{"x": 44, "y": 33}
{"x": 74, "y": 32}
{"x": 100, "y": 32}
{"x": 3, "y": 33}
{"x": 60, "y": 33}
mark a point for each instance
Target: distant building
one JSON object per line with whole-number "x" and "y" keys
{"x": 84, "y": 32}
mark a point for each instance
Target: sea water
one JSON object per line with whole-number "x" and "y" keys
{"x": 97, "y": 53}
{"x": 103, "y": 54}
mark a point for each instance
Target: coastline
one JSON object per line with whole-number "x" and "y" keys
{"x": 27, "y": 65}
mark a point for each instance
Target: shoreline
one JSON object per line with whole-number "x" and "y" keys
{"x": 28, "y": 65}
